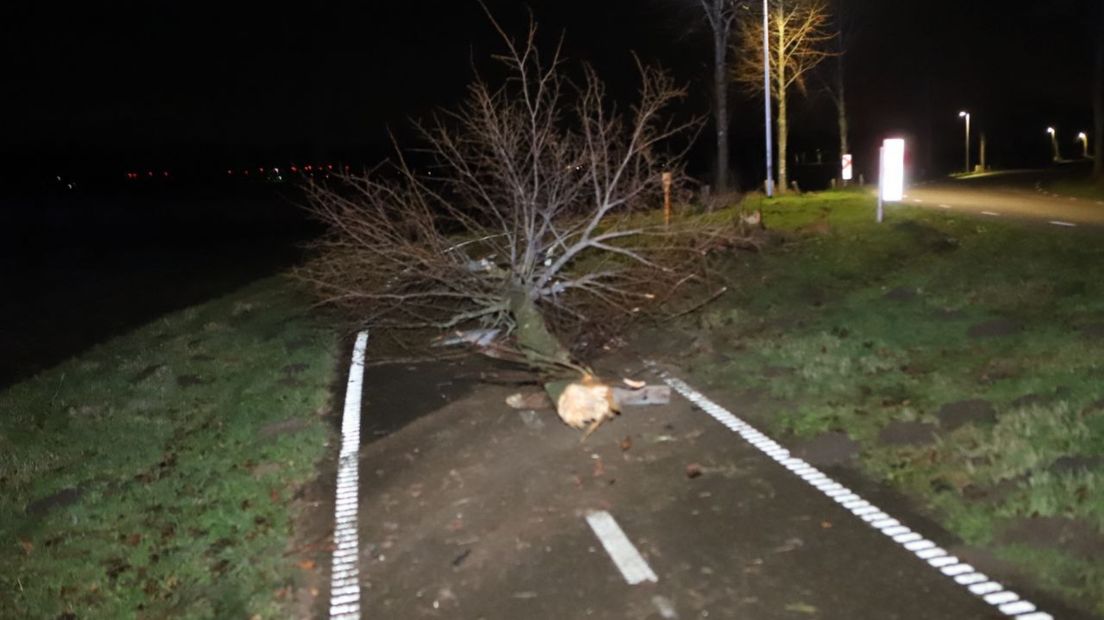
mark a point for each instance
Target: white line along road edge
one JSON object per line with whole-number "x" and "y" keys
{"x": 632, "y": 565}
{"x": 345, "y": 572}
{"x": 1008, "y": 602}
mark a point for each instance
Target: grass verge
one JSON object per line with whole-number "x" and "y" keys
{"x": 153, "y": 475}
{"x": 964, "y": 358}
{"x": 1087, "y": 189}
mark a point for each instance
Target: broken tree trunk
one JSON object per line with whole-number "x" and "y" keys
{"x": 535, "y": 341}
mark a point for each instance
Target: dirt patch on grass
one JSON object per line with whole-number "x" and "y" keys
{"x": 187, "y": 381}
{"x": 1094, "y": 331}
{"x": 1077, "y": 464}
{"x": 61, "y": 499}
{"x": 995, "y": 328}
{"x": 901, "y": 294}
{"x": 827, "y": 449}
{"x": 283, "y": 427}
{"x": 959, "y": 413}
{"x": 145, "y": 373}
{"x": 899, "y": 433}
{"x": 1074, "y": 536}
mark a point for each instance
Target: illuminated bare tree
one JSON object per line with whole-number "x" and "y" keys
{"x": 800, "y": 39}
{"x": 538, "y": 212}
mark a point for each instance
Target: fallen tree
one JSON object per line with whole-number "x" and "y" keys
{"x": 535, "y": 218}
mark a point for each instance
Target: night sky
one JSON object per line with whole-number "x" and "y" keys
{"x": 196, "y": 84}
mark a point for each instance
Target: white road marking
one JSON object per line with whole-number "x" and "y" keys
{"x": 992, "y": 213}
{"x": 944, "y": 206}
{"x": 917, "y": 200}
{"x": 1006, "y": 601}
{"x": 632, "y": 565}
{"x": 1061, "y": 223}
{"x": 345, "y": 571}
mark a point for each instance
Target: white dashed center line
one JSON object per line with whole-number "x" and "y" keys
{"x": 632, "y": 565}
{"x": 917, "y": 200}
{"x": 991, "y": 213}
{"x": 993, "y": 593}
{"x": 944, "y": 206}
{"x": 1061, "y": 223}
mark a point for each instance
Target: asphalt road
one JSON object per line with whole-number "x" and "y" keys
{"x": 1019, "y": 195}
{"x": 478, "y": 511}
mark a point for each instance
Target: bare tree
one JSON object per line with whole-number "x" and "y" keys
{"x": 721, "y": 14}
{"x": 844, "y": 27}
{"x": 1098, "y": 95}
{"x": 799, "y": 40}
{"x": 537, "y": 212}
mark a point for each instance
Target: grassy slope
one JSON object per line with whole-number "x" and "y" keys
{"x": 172, "y": 437}
{"x": 1079, "y": 188}
{"x": 816, "y": 328}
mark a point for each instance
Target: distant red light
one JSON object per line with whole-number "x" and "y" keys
{"x": 294, "y": 169}
{"x": 245, "y": 172}
{"x": 308, "y": 168}
{"x": 165, "y": 173}
{"x": 230, "y": 172}
{"x": 149, "y": 173}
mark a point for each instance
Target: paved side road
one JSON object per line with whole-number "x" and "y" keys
{"x": 479, "y": 511}
{"x": 1012, "y": 196}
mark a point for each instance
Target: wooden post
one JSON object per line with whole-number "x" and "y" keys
{"x": 667, "y": 181}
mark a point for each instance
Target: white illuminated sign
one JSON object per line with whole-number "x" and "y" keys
{"x": 848, "y": 170}
{"x": 893, "y": 170}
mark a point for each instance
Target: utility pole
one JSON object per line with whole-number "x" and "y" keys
{"x": 767, "y": 98}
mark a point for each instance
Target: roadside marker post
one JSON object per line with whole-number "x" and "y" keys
{"x": 847, "y": 167}
{"x": 891, "y": 173}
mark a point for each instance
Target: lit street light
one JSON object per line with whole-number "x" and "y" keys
{"x": 1084, "y": 138}
{"x": 1054, "y": 143}
{"x": 966, "y": 115}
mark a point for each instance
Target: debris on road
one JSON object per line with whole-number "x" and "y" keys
{"x": 693, "y": 470}
{"x": 477, "y": 337}
{"x": 530, "y": 400}
{"x": 585, "y": 402}
{"x": 460, "y": 558}
{"x": 647, "y": 395}
{"x": 531, "y": 419}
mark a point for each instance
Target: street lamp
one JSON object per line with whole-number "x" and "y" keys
{"x": 1054, "y": 143}
{"x": 966, "y": 115}
{"x": 1084, "y": 138}
{"x": 767, "y": 98}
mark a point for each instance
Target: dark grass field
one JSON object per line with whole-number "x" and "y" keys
{"x": 154, "y": 475}
{"x": 162, "y": 403}
{"x": 959, "y": 361}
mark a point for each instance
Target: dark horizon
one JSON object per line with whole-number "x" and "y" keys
{"x": 198, "y": 88}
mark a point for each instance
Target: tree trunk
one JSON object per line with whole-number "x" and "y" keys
{"x": 841, "y": 109}
{"x": 780, "y": 85}
{"x": 720, "y": 85}
{"x": 1098, "y": 101}
{"x": 783, "y": 137}
{"x": 540, "y": 347}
